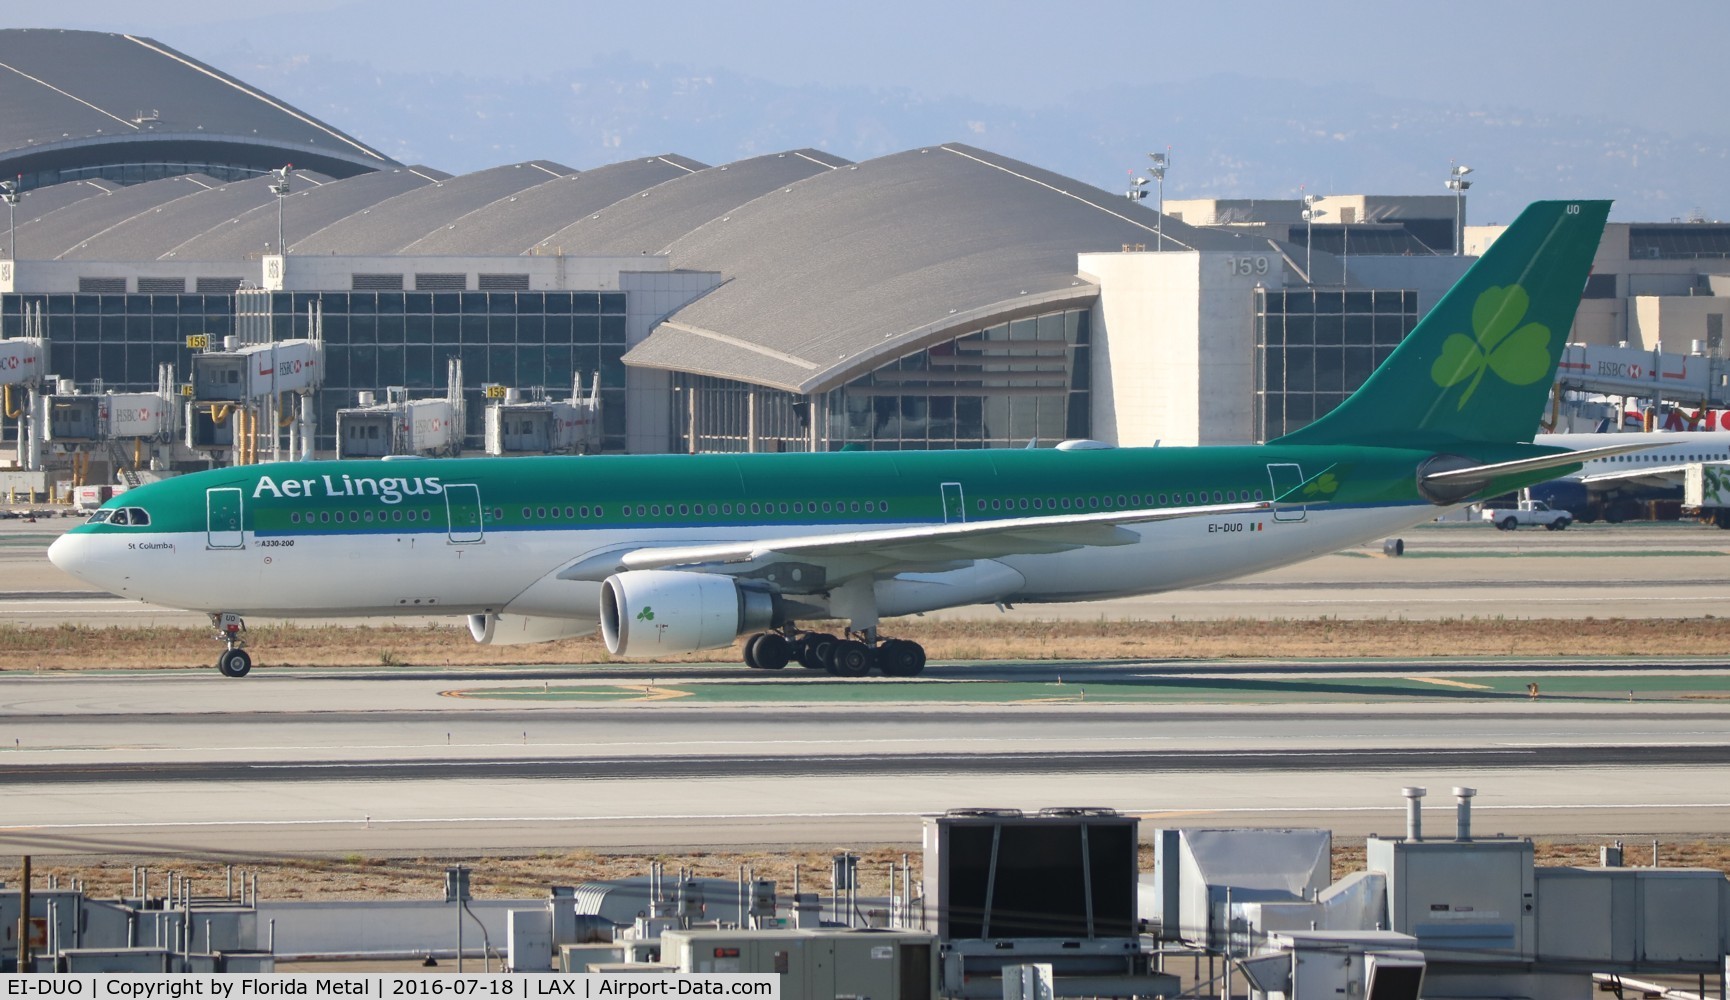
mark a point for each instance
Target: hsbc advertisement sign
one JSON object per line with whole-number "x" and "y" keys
{"x": 1635, "y": 371}
{"x": 21, "y": 359}
{"x": 136, "y": 414}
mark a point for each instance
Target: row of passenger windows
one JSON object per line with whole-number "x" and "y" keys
{"x": 741, "y": 509}
{"x": 359, "y": 516}
{"x": 1648, "y": 459}
{"x": 137, "y": 515}
{"x": 542, "y": 513}
{"x": 1130, "y": 501}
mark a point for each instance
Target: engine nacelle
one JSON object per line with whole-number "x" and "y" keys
{"x": 657, "y": 612}
{"x": 512, "y": 630}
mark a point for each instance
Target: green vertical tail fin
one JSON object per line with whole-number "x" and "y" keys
{"x": 1478, "y": 367}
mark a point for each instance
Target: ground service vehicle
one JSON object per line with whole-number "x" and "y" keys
{"x": 1528, "y": 512}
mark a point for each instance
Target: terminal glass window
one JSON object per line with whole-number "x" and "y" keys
{"x": 1315, "y": 346}
{"x": 996, "y": 387}
{"x": 533, "y": 341}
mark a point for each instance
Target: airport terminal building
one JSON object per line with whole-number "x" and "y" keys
{"x": 940, "y": 297}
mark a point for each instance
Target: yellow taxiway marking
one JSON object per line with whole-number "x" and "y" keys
{"x": 1445, "y": 682}
{"x": 612, "y": 692}
{"x": 653, "y": 693}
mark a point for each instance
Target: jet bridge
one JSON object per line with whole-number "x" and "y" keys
{"x": 23, "y": 367}
{"x": 403, "y": 426}
{"x": 515, "y": 426}
{"x": 245, "y": 395}
{"x": 1694, "y": 379}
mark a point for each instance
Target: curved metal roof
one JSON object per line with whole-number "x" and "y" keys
{"x": 830, "y": 277}
{"x": 142, "y": 236}
{"x": 662, "y": 214}
{"x": 516, "y": 223}
{"x": 79, "y": 99}
{"x": 34, "y": 203}
{"x": 309, "y": 208}
{"x": 393, "y": 224}
{"x": 58, "y": 233}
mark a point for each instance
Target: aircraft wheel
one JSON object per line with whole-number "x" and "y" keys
{"x": 815, "y": 650}
{"x": 851, "y": 659}
{"x": 901, "y": 658}
{"x": 751, "y": 645}
{"x": 773, "y": 651}
{"x": 234, "y": 663}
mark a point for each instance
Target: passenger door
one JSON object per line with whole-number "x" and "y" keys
{"x": 954, "y": 505}
{"x": 223, "y": 524}
{"x": 463, "y": 508}
{"x": 1286, "y": 477}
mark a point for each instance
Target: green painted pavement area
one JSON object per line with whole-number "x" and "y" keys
{"x": 1546, "y": 554}
{"x": 1147, "y": 690}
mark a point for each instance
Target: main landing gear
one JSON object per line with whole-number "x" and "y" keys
{"x": 852, "y": 654}
{"x": 235, "y": 661}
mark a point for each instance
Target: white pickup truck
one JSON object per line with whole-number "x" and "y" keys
{"x": 1534, "y": 512}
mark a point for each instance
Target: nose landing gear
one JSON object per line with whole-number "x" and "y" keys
{"x": 235, "y": 661}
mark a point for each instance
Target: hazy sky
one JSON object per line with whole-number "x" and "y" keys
{"x": 1660, "y": 64}
{"x": 1656, "y": 66}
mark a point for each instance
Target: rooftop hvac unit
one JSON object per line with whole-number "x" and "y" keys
{"x": 1066, "y": 874}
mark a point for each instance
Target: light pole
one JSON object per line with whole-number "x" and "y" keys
{"x": 1161, "y": 161}
{"x": 1458, "y": 184}
{"x": 1311, "y": 214}
{"x": 9, "y": 191}
{"x": 280, "y": 188}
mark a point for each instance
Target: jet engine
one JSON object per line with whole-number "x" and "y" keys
{"x": 510, "y": 630}
{"x": 654, "y": 612}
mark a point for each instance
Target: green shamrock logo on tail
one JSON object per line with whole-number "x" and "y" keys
{"x": 1324, "y": 485}
{"x": 1519, "y": 355}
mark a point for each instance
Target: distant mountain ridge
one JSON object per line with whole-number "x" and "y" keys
{"x": 1232, "y": 136}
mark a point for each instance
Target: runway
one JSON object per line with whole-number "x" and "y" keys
{"x": 146, "y": 764}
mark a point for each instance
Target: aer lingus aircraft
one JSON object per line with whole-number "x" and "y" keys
{"x": 670, "y": 554}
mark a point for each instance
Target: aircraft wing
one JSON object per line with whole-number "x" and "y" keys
{"x": 907, "y": 548}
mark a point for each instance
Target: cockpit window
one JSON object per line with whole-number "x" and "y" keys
{"x": 99, "y": 516}
{"x": 136, "y": 517}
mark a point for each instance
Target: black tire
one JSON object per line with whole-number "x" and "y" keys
{"x": 773, "y": 651}
{"x": 1507, "y": 524}
{"x": 1562, "y": 525}
{"x": 751, "y": 650}
{"x": 234, "y": 663}
{"x": 901, "y": 658}
{"x": 851, "y": 659}
{"x": 817, "y": 650}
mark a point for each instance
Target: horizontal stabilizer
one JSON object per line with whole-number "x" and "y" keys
{"x": 1537, "y": 464}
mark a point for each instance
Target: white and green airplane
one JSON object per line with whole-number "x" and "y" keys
{"x": 670, "y": 554}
